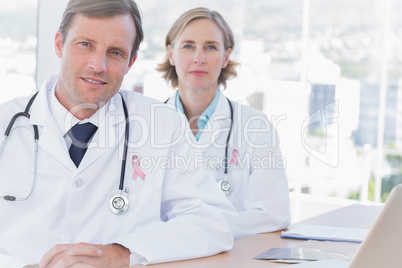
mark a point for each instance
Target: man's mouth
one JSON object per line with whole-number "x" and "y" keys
{"x": 93, "y": 81}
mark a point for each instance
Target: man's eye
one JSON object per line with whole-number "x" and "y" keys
{"x": 84, "y": 43}
{"x": 116, "y": 53}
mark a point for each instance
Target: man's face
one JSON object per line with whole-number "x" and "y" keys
{"x": 95, "y": 56}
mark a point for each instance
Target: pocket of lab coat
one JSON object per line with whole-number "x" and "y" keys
{"x": 144, "y": 207}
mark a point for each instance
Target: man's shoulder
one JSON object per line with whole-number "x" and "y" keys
{"x": 10, "y": 108}
{"x": 136, "y": 98}
{"x": 139, "y": 104}
{"x": 14, "y": 105}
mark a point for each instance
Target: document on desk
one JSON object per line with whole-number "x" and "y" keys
{"x": 320, "y": 264}
{"x": 325, "y": 233}
{"x": 297, "y": 255}
{"x": 341, "y": 247}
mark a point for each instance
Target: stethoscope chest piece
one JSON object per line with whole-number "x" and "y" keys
{"x": 225, "y": 185}
{"x": 119, "y": 204}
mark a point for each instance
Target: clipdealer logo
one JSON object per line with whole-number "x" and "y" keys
{"x": 327, "y": 151}
{"x": 152, "y": 164}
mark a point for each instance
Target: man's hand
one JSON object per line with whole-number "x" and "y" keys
{"x": 86, "y": 255}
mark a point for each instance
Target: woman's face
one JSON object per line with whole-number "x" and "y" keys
{"x": 199, "y": 55}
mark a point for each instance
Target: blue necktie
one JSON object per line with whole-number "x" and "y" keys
{"x": 80, "y": 135}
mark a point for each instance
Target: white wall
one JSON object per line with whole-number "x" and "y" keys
{"x": 49, "y": 18}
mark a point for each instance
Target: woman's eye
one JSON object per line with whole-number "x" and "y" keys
{"x": 188, "y": 46}
{"x": 211, "y": 47}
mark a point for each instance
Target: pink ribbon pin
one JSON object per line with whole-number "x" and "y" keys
{"x": 137, "y": 170}
{"x": 234, "y": 155}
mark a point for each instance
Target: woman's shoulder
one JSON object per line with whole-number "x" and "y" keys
{"x": 246, "y": 112}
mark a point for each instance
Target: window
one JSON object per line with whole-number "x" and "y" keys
{"x": 319, "y": 68}
{"x": 17, "y": 48}
{"x": 326, "y": 73}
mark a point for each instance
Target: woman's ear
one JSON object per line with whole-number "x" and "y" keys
{"x": 170, "y": 54}
{"x": 226, "y": 58}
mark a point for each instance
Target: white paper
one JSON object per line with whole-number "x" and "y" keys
{"x": 342, "y": 247}
{"x": 327, "y": 233}
{"x": 321, "y": 264}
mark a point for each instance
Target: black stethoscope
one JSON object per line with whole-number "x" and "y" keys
{"x": 224, "y": 184}
{"x": 118, "y": 203}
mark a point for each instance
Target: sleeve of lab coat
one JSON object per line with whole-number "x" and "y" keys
{"x": 196, "y": 218}
{"x": 10, "y": 262}
{"x": 266, "y": 199}
{"x": 11, "y": 107}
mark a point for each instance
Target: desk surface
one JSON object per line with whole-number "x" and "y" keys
{"x": 241, "y": 255}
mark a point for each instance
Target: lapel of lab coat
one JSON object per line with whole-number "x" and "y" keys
{"x": 52, "y": 140}
{"x": 218, "y": 124}
{"x": 110, "y": 134}
{"x": 50, "y": 137}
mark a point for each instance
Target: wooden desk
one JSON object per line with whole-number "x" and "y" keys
{"x": 353, "y": 216}
{"x": 241, "y": 255}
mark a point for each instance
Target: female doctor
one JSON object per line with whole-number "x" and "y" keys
{"x": 236, "y": 144}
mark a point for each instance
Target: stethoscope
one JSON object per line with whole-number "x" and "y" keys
{"x": 224, "y": 184}
{"x": 36, "y": 139}
{"x": 118, "y": 203}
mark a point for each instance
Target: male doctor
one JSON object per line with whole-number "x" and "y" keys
{"x": 61, "y": 209}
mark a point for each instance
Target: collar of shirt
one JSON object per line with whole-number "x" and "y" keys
{"x": 204, "y": 117}
{"x": 65, "y": 120}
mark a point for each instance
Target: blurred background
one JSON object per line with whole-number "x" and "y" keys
{"x": 327, "y": 74}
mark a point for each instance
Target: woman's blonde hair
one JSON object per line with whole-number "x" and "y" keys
{"x": 169, "y": 71}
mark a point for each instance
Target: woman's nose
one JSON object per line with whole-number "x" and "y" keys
{"x": 199, "y": 57}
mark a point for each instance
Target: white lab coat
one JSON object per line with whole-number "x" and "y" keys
{"x": 260, "y": 190}
{"x": 174, "y": 213}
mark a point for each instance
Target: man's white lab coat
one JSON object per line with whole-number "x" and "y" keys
{"x": 176, "y": 212}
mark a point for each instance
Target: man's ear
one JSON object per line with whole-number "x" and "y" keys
{"x": 58, "y": 44}
{"x": 132, "y": 60}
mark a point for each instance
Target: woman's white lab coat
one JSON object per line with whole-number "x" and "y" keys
{"x": 259, "y": 185}
{"x": 176, "y": 212}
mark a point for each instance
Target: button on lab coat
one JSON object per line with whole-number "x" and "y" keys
{"x": 260, "y": 190}
{"x": 176, "y": 212}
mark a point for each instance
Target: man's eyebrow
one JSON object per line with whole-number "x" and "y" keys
{"x": 84, "y": 38}
{"x": 117, "y": 48}
{"x": 122, "y": 51}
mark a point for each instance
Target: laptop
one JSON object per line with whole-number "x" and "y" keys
{"x": 383, "y": 243}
